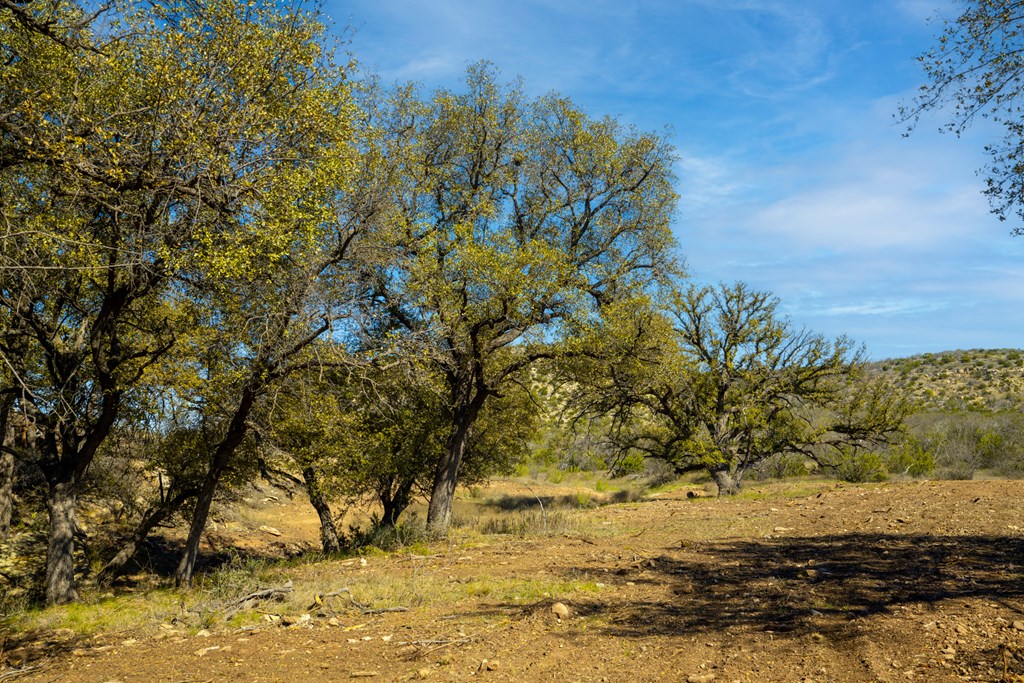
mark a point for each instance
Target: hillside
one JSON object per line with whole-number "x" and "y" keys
{"x": 976, "y": 379}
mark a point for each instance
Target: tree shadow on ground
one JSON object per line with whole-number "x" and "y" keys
{"x": 813, "y": 584}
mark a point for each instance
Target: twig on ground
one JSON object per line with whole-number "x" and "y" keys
{"x": 441, "y": 644}
{"x": 14, "y": 673}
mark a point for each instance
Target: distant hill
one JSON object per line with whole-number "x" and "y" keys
{"x": 977, "y": 379}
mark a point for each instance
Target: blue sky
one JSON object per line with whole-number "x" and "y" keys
{"x": 793, "y": 174}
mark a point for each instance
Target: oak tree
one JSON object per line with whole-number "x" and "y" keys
{"x": 719, "y": 381}
{"x": 514, "y": 222}
{"x": 129, "y": 171}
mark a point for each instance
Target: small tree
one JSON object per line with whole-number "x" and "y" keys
{"x": 720, "y": 382}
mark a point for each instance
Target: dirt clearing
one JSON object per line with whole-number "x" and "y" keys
{"x": 791, "y": 582}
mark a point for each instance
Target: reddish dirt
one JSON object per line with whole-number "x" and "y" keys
{"x": 895, "y": 582}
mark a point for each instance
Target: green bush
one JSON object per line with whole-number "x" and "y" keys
{"x": 861, "y": 467}
{"x": 910, "y": 459}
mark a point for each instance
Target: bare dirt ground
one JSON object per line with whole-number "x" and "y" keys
{"x": 918, "y": 581}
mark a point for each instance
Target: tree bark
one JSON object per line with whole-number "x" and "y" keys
{"x": 6, "y": 466}
{"x": 6, "y": 493}
{"x": 328, "y": 532}
{"x": 154, "y": 516}
{"x": 60, "y": 564}
{"x": 727, "y": 484}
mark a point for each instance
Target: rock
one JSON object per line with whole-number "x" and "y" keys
{"x": 809, "y": 573}
{"x": 289, "y": 620}
{"x": 1018, "y": 625}
{"x": 423, "y": 673}
{"x": 269, "y": 530}
{"x": 203, "y": 634}
{"x": 363, "y": 674}
{"x": 560, "y": 611}
{"x": 333, "y": 621}
{"x": 700, "y": 678}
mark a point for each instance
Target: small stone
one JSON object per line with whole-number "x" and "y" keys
{"x": 289, "y": 620}
{"x": 269, "y": 530}
{"x": 333, "y": 621}
{"x": 363, "y": 674}
{"x": 1018, "y": 625}
{"x": 700, "y": 678}
{"x": 560, "y": 611}
{"x": 423, "y": 673}
{"x": 203, "y": 634}
{"x": 809, "y": 573}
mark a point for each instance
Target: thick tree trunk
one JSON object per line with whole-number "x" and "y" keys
{"x": 328, "y": 532}
{"x": 154, "y": 516}
{"x": 446, "y": 478}
{"x": 6, "y": 493}
{"x": 60, "y": 563}
{"x": 468, "y": 397}
{"x": 727, "y": 485}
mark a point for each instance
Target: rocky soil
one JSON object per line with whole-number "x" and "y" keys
{"x": 917, "y": 581}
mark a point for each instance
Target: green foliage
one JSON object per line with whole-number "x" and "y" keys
{"x": 977, "y": 379}
{"x": 861, "y": 466}
{"x": 909, "y": 458}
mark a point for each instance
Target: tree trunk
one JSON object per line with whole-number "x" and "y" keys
{"x": 221, "y": 459}
{"x": 446, "y": 478}
{"x": 394, "y": 504}
{"x": 183, "y": 574}
{"x": 727, "y": 485}
{"x": 155, "y": 515}
{"x": 6, "y": 467}
{"x": 328, "y": 532}
{"x": 6, "y": 493}
{"x": 60, "y": 563}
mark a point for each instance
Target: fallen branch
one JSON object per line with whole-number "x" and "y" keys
{"x": 322, "y": 599}
{"x": 262, "y": 595}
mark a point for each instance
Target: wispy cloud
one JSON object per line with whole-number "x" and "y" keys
{"x": 885, "y": 308}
